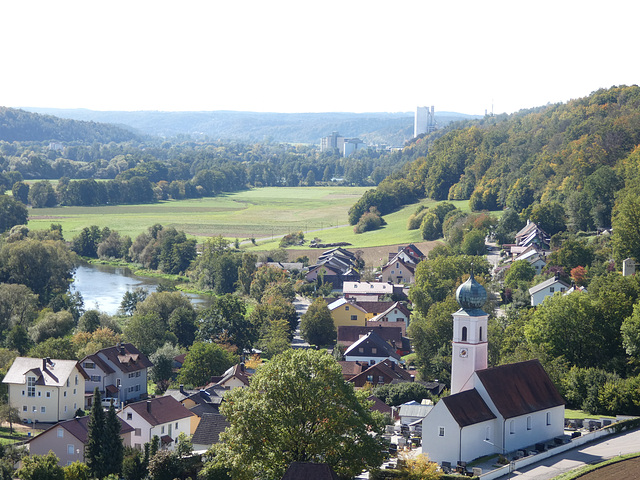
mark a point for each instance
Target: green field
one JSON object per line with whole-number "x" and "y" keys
{"x": 261, "y": 213}
{"x": 258, "y": 213}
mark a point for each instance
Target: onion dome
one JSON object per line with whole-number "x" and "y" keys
{"x": 471, "y": 295}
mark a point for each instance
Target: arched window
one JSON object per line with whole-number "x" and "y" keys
{"x": 480, "y": 335}
{"x": 464, "y": 334}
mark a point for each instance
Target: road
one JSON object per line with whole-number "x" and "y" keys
{"x": 595, "y": 452}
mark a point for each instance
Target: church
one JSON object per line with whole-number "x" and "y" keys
{"x": 490, "y": 410}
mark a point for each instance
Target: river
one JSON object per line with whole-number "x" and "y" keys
{"x": 103, "y": 286}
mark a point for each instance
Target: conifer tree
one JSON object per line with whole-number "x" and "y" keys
{"x": 113, "y": 447}
{"x": 94, "y": 450}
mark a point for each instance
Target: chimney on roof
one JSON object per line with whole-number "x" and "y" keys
{"x": 44, "y": 364}
{"x": 149, "y": 406}
{"x": 122, "y": 351}
{"x": 182, "y": 389}
{"x": 242, "y": 367}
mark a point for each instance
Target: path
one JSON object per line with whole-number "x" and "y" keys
{"x": 595, "y": 452}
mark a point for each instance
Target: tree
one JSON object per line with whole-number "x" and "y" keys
{"x": 12, "y": 212}
{"x": 90, "y": 321}
{"x": 42, "y": 195}
{"x": 51, "y": 325}
{"x": 626, "y": 228}
{"x": 60, "y": 348}
{"x": 631, "y": 333}
{"x": 43, "y": 266}
{"x": 473, "y": 243}
{"x": 298, "y": 408}
{"x": 162, "y": 360}
{"x": 40, "y": 467}
{"x": 9, "y": 415}
{"x": 550, "y": 217}
{"x": 94, "y": 451}
{"x": 316, "y": 325}
{"x": 130, "y": 300}
{"x": 431, "y": 228}
{"x": 275, "y": 337}
{"x": 77, "y": 471}
{"x": 148, "y": 332}
{"x": 112, "y": 442}
{"x": 225, "y": 321}
{"x": 20, "y": 191}
{"x": 520, "y": 273}
{"x": 204, "y": 360}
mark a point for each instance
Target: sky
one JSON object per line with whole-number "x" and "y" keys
{"x": 313, "y": 56}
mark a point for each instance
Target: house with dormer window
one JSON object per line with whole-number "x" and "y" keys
{"x": 371, "y": 349}
{"x": 119, "y": 372}
{"x": 45, "y": 389}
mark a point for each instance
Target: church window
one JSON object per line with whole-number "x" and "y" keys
{"x": 528, "y": 423}
{"x": 480, "y": 334}
{"x": 512, "y": 427}
{"x": 441, "y": 431}
{"x": 548, "y": 418}
{"x": 464, "y": 334}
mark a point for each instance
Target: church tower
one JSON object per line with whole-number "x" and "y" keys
{"x": 469, "y": 335}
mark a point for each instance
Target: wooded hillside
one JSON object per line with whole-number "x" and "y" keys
{"x": 19, "y": 126}
{"x": 579, "y": 153}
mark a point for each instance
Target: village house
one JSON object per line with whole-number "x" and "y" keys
{"x": 547, "y": 288}
{"x": 371, "y": 349}
{"x": 119, "y": 372}
{"x": 401, "y": 266}
{"x": 161, "y": 416}
{"x": 334, "y": 266}
{"x": 208, "y": 431}
{"x": 392, "y": 333}
{"x": 369, "y": 291}
{"x": 381, "y": 373}
{"x": 490, "y": 410}
{"x": 345, "y": 313}
{"x": 44, "y": 389}
{"x": 68, "y": 438}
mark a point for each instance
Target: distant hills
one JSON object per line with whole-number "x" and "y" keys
{"x": 374, "y": 128}
{"x": 22, "y": 126}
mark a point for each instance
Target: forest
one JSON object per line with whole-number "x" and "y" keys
{"x": 581, "y": 154}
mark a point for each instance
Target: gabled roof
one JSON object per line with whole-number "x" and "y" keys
{"x": 385, "y": 367}
{"x": 414, "y": 409}
{"x": 343, "y": 301}
{"x": 348, "y": 334}
{"x": 395, "y": 306}
{"x": 49, "y": 372}
{"x": 309, "y": 471}
{"x": 468, "y": 408}
{"x": 209, "y": 429}
{"x": 237, "y": 371}
{"x": 379, "y": 405}
{"x": 384, "y": 349}
{"x": 104, "y": 366}
{"x": 367, "y": 288}
{"x": 78, "y": 427}
{"x": 374, "y": 307}
{"x": 350, "y": 368}
{"x": 547, "y": 283}
{"x": 125, "y": 357}
{"x": 159, "y": 410}
{"x": 520, "y": 388}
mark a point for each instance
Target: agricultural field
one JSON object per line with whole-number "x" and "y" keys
{"x": 265, "y": 214}
{"x": 258, "y": 213}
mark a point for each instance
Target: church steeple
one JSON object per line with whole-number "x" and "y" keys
{"x": 469, "y": 335}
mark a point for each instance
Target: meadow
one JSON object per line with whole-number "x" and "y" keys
{"x": 264, "y": 214}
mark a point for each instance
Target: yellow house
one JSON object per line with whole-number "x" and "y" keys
{"x": 345, "y": 313}
{"x": 45, "y": 390}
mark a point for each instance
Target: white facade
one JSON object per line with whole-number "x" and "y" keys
{"x": 424, "y": 121}
{"x": 470, "y": 349}
{"x": 545, "y": 289}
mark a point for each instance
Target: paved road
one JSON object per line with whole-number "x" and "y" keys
{"x": 595, "y": 452}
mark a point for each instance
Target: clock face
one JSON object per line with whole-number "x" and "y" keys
{"x": 464, "y": 352}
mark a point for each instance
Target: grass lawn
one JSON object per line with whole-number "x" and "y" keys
{"x": 578, "y": 414}
{"x": 258, "y": 213}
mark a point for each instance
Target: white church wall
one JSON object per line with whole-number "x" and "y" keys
{"x": 441, "y": 435}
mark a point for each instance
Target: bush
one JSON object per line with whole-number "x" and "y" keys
{"x": 369, "y": 221}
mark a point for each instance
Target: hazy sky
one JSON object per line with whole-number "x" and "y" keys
{"x": 313, "y": 56}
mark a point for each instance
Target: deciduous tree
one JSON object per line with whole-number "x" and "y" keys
{"x": 298, "y": 408}
{"x": 316, "y": 325}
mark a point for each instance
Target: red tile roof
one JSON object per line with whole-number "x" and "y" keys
{"x": 520, "y": 388}
{"x": 126, "y": 357}
{"x": 468, "y": 408}
{"x": 159, "y": 410}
